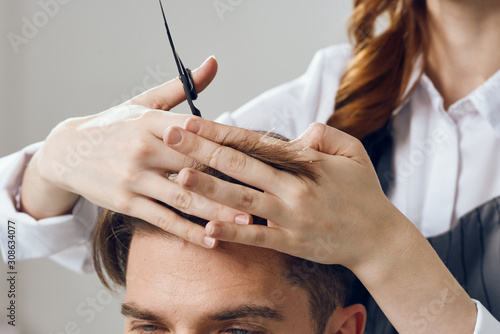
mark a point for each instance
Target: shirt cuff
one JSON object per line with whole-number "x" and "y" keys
{"x": 485, "y": 323}
{"x": 55, "y": 236}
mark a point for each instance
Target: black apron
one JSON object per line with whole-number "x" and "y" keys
{"x": 470, "y": 250}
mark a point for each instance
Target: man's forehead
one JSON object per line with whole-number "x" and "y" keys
{"x": 173, "y": 259}
{"x": 225, "y": 251}
{"x": 171, "y": 272}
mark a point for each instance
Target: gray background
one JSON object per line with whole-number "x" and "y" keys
{"x": 92, "y": 54}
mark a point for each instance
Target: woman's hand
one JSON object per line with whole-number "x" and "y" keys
{"x": 117, "y": 160}
{"x": 344, "y": 219}
{"x": 340, "y": 219}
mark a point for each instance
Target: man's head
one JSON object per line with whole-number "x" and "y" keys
{"x": 177, "y": 287}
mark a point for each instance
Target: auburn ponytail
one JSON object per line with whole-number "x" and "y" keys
{"x": 376, "y": 79}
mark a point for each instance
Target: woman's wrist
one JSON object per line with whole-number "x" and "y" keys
{"x": 394, "y": 238}
{"x": 41, "y": 199}
{"x": 411, "y": 284}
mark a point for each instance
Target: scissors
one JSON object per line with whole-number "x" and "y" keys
{"x": 184, "y": 73}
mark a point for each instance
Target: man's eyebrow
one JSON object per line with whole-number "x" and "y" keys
{"x": 133, "y": 311}
{"x": 247, "y": 311}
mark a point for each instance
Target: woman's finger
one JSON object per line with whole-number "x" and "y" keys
{"x": 232, "y": 195}
{"x": 252, "y": 235}
{"x": 153, "y": 185}
{"x": 331, "y": 141}
{"x": 170, "y": 222}
{"x": 229, "y": 161}
{"x": 170, "y": 94}
{"x": 221, "y": 133}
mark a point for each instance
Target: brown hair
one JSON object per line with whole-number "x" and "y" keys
{"x": 327, "y": 285}
{"x": 376, "y": 79}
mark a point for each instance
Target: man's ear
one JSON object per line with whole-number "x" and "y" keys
{"x": 348, "y": 320}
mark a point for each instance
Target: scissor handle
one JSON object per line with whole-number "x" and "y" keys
{"x": 186, "y": 73}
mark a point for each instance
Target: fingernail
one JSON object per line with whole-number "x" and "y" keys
{"x": 214, "y": 231}
{"x": 241, "y": 220}
{"x": 192, "y": 125}
{"x": 190, "y": 179}
{"x": 206, "y": 60}
{"x": 209, "y": 242}
{"x": 174, "y": 136}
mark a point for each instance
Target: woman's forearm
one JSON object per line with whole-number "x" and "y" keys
{"x": 414, "y": 288}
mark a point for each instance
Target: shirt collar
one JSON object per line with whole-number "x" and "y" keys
{"x": 484, "y": 100}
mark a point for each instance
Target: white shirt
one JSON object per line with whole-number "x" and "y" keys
{"x": 446, "y": 161}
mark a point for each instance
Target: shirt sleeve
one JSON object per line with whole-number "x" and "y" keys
{"x": 64, "y": 238}
{"x": 485, "y": 323}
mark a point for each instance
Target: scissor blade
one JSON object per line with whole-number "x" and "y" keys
{"x": 176, "y": 57}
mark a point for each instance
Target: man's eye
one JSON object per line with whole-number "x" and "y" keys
{"x": 147, "y": 328}
{"x": 242, "y": 331}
